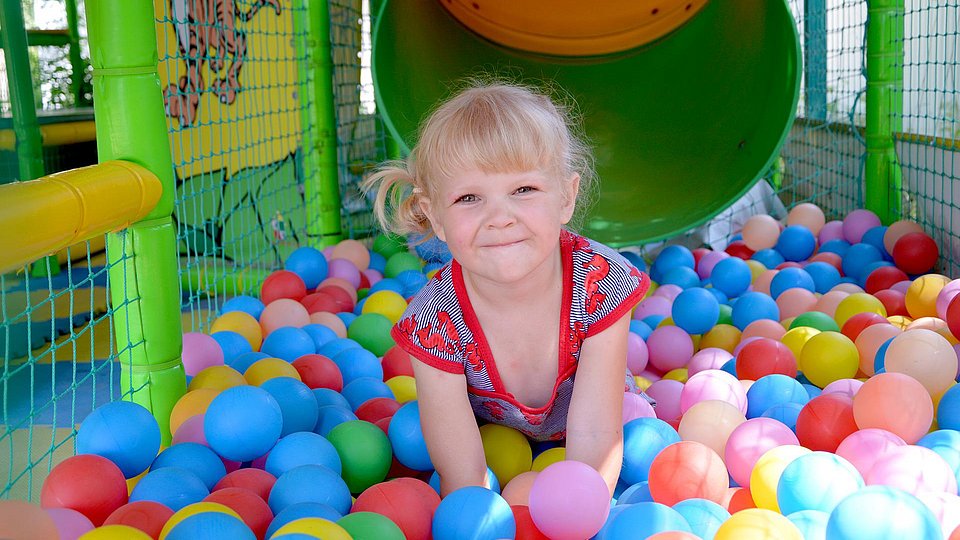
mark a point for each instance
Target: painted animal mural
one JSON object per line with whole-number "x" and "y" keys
{"x": 207, "y": 31}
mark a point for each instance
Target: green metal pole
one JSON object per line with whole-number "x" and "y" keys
{"x": 883, "y": 177}
{"x": 76, "y": 60}
{"x": 321, "y": 183}
{"x": 22, "y": 101}
{"x": 131, "y": 125}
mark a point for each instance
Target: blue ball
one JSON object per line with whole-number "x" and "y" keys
{"x": 212, "y": 525}
{"x": 232, "y": 344}
{"x": 377, "y": 262}
{"x": 754, "y": 306}
{"x": 812, "y": 523}
{"x": 882, "y": 513}
{"x": 643, "y": 439}
{"x": 308, "y": 263}
{"x": 297, "y": 403}
{"x": 194, "y": 457}
{"x": 730, "y": 366}
{"x": 645, "y": 519}
{"x": 681, "y": 276}
{"x": 879, "y": 359}
{"x": 492, "y": 483}
{"x": 837, "y": 245}
{"x": 796, "y": 243}
{"x": 242, "y": 362}
{"x": 302, "y": 510}
{"x": 768, "y": 257}
{"x": 874, "y": 237}
{"x": 173, "y": 487}
{"x": 310, "y": 484}
{"x": 288, "y": 343}
{"x": 326, "y": 396}
{"x": 719, "y": 295}
{"x": 640, "y": 328}
{"x": 387, "y": 284}
{"x": 825, "y": 276}
{"x": 869, "y": 270}
{"x": 412, "y": 281}
{"x": 703, "y": 516}
{"x": 774, "y": 389}
{"x": 946, "y": 443}
{"x": 335, "y": 346}
{"x": 331, "y": 416}
{"x": 858, "y": 257}
{"x": 812, "y": 390}
{"x": 243, "y": 423}
{"x": 473, "y": 513}
{"x": 361, "y": 389}
{"x": 320, "y": 334}
{"x": 123, "y": 432}
{"x": 304, "y": 448}
{"x": 653, "y": 321}
{"x": 406, "y": 437}
{"x": 358, "y": 309}
{"x": 785, "y": 413}
{"x": 614, "y": 512}
{"x": 635, "y": 259}
{"x": 672, "y": 257}
{"x": 695, "y": 310}
{"x": 355, "y": 363}
{"x": 637, "y": 493}
{"x": 347, "y": 318}
{"x": 790, "y": 278}
{"x": 247, "y": 304}
{"x": 948, "y": 411}
{"x": 816, "y": 481}
{"x": 731, "y": 276}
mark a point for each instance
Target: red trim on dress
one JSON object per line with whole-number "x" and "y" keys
{"x": 434, "y": 361}
{"x": 623, "y": 308}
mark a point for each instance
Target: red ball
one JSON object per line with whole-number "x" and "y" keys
{"x": 320, "y": 301}
{"x": 395, "y": 362}
{"x": 90, "y": 484}
{"x": 408, "y": 502}
{"x": 258, "y": 481}
{"x": 953, "y": 316}
{"x": 686, "y": 470}
{"x": 830, "y": 258}
{"x": 384, "y": 424}
{"x": 399, "y": 470}
{"x": 894, "y": 301}
{"x": 364, "y": 281}
{"x": 915, "y": 253}
{"x": 698, "y": 254}
{"x": 825, "y": 421}
{"x": 526, "y": 528}
{"x": 343, "y": 299}
{"x": 788, "y": 264}
{"x": 764, "y": 356}
{"x": 858, "y": 322}
{"x": 884, "y": 277}
{"x": 377, "y": 408}
{"x": 282, "y": 284}
{"x": 739, "y": 249}
{"x": 148, "y": 516}
{"x": 318, "y": 371}
{"x": 253, "y": 510}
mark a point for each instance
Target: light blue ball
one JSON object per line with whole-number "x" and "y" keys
{"x": 326, "y": 396}
{"x": 874, "y": 237}
{"x": 858, "y": 257}
{"x": 336, "y": 346}
{"x": 812, "y": 390}
{"x": 331, "y": 416}
{"x": 635, "y": 259}
{"x": 837, "y": 245}
{"x": 473, "y": 513}
{"x": 785, "y": 413}
{"x": 412, "y": 281}
{"x": 753, "y": 306}
{"x": 790, "y": 278}
{"x": 796, "y": 243}
{"x": 232, "y": 344}
{"x": 703, "y": 516}
{"x": 816, "y": 481}
{"x": 811, "y": 523}
{"x": 304, "y": 448}
{"x": 614, "y": 512}
{"x": 406, "y": 437}
{"x": 173, "y": 487}
{"x": 637, "y": 493}
{"x": 310, "y": 484}
{"x": 346, "y": 317}
{"x": 682, "y": 277}
{"x": 645, "y": 519}
{"x": 493, "y": 484}
{"x": 771, "y": 390}
{"x": 299, "y": 511}
{"x": 242, "y": 362}
{"x": 731, "y": 276}
{"x": 695, "y": 310}
{"x": 377, "y": 262}
{"x": 247, "y": 304}
{"x": 211, "y": 525}
{"x": 355, "y": 363}
{"x": 640, "y": 328}
{"x": 361, "y": 389}
{"x": 825, "y": 276}
{"x": 946, "y": 443}
{"x": 669, "y": 258}
{"x": 387, "y": 284}
{"x": 297, "y": 403}
{"x": 320, "y": 334}
{"x": 643, "y": 439}
{"x": 123, "y": 432}
{"x": 882, "y": 513}
{"x": 308, "y": 263}
{"x": 194, "y": 457}
{"x": 768, "y": 257}
{"x": 288, "y": 343}
{"x": 948, "y": 411}
{"x": 243, "y": 423}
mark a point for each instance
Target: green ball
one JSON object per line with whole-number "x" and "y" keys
{"x": 372, "y": 332}
{"x": 370, "y": 526}
{"x": 389, "y": 245}
{"x": 399, "y": 262}
{"x": 726, "y": 315}
{"x": 815, "y": 319}
{"x": 365, "y": 453}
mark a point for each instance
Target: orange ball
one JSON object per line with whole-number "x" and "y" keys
{"x": 809, "y": 215}
{"x": 242, "y": 323}
{"x": 517, "y": 490}
{"x": 331, "y": 321}
{"x": 687, "y": 470}
{"x": 192, "y": 403}
{"x": 283, "y": 312}
{"x": 760, "y": 232}
{"x": 898, "y": 229}
{"x": 353, "y": 251}
{"x": 268, "y": 368}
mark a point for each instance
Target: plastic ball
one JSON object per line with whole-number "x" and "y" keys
{"x": 921, "y": 295}
{"x": 241, "y": 323}
{"x": 827, "y": 357}
{"x": 855, "y": 304}
{"x": 242, "y": 303}
{"x": 643, "y": 439}
{"x": 766, "y": 473}
{"x": 193, "y": 510}
{"x": 704, "y": 517}
{"x": 310, "y": 483}
{"x": 795, "y": 301}
{"x": 757, "y": 524}
{"x": 816, "y": 481}
{"x": 915, "y": 253}
{"x": 473, "y": 513}
{"x": 750, "y": 440}
{"x": 517, "y": 491}
{"x": 318, "y": 371}
{"x": 863, "y": 448}
{"x": 825, "y": 421}
{"x": 370, "y": 525}
{"x": 146, "y": 516}
{"x": 243, "y": 423}
{"x": 115, "y": 532}
{"x": 760, "y": 231}
{"x": 667, "y": 394}
{"x": 24, "y": 520}
{"x": 896, "y": 403}
{"x": 731, "y": 276}
{"x": 884, "y": 513}
{"x": 302, "y": 449}
{"x": 309, "y": 264}
{"x": 713, "y": 384}
{"x": 173, "y": 487}
{"x": 857, "y": 222}
{"x": 207, "y": 524}
{"x": 686, "y": 470}
{"x": 796, "y": 243}
{"x": 739, "y": 249}
{"x": 763, "y": 357}
{"x": 408, "y": 502}
{"x": 123, "y": 432}
{"x": 269, "y": 368}
{"x": 710, "y": 422}
{"x": 753, "y": 306}
{"x": 914, "y": 469}
{"x": 90, "y": 484}
{"x": 283, "y": 312}
{"x": 253, "y": 510}
{"x": 924, "y": 355}
{"x": 507, "y": 451}
{"x": 70, "y": 523}
{"x": 406, "y": 436}
{"x": 695, "y": 310}
{"x": 258, "y": 481}
{"x": 831, "y": 230}
{"x": 200, "y": 351}
{"x": 398, "y": 262}
{"x": 669, "y": 347}
{"x": 643, "y": 520}
{"x": 564, "y": 513}
{"x": 194, "y": 457}
{"x": 364, "y": 451}
{"x": 403, "y": 387}
{"x": 807, "y": 214}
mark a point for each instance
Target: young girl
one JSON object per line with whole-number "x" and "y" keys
{"x": 527, "y": 325}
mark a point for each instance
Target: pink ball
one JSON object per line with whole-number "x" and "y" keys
{"x": 831, "y": 230}
{"x": 914, "y": 469}
{"x": 191, "y": 430}
{"x": 708, "y": 261}
{"x": 944, "y": 297}
{"x": 895, "y": 402}
{"x": 858, "y": 222}
{"x": 70, "y": 523}
{"x": 793, "y": 302}
{"x": 201, "y": 351}
{"x": 761, "y": 232}
{"x": 283, "y": 312}
{"x": 847, "y": 387}
{"x": 807, "y": 214}
{"x": 828, "y": 303}
{"x": 713, "y": 384}
{"x": 569, "y": 500}
{"x": 653, "y": 305}
{"x": 670, "y": 347}
{"x": 637, "y": 353}
{"x": 344, "y": 269}
{"x": 864, "y": 447}
{"x": 667, "y": 394}
{"x": 902, "y": 286}
{"x": 634, "y": 406}
{"x": 373, "y": 276}
{"x": 749, "y": 441}
{"x": 767, "y": 328}
{"x": 668, "y": 291}
{"x": 762, "y": 283}
{"x": 946, "y": 508}
{"x": 709, "y": 358}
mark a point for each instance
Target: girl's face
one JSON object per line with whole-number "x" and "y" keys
{"x": 501, "y": 227}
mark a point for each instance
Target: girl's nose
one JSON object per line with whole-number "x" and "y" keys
{"x": 501, "y": 214}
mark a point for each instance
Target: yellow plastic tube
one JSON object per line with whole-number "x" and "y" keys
{"x": 55, "y": 134}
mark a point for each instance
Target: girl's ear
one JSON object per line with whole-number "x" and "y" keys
{"x": 572, "y": 188}
{"x": 427, "y": 208}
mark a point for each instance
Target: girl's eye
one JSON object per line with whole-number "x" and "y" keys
{"x": 526, "y": 189}
{"x": 466, "y": 199}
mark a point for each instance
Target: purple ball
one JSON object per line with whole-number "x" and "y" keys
{"x": 344, "y": 269}
{"x": 833, "y": 230}
{"x": 857, "y": 223}
{"x": 708, "y": 261}
{"x": 200, "y": 351}
{"x": 653, "y": 305}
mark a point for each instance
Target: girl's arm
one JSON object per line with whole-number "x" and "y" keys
{"x": 449, "y": 428}
{"x": 595, "y": 418}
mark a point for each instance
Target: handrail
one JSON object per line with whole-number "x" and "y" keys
{"x": 42, "y": 216}
{"x": 54, "y": 134}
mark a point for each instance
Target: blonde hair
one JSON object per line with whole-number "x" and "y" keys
{"x": 493, "y": 127}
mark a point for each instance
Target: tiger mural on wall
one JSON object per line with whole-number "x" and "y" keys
{"x": 207, "y": 31}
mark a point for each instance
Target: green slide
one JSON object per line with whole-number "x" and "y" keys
{"x": 681, "y": 126}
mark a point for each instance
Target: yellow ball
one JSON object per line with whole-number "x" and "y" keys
{"x": 921, "y": 296}
{"x": 858, "y": 303}
{"x": 404, "y": 388}
{"x": 756, "y": 268}
{"x": 190, "y": 404}
{"x": 677, "y": 374}
{"x": 507, "y": 451}
{"x": 390, "y": 304}
{"x": 548, "y": 457}
{"x": 642, "y": 382}
{"x": 192, "y": 510}
{"x": 766, "y": 474}
{"x": 900, "y": 321}
{"x": 132, "y": 482}
{"x": 795, "y": 339}
{"x": 115, "y": 532}
{"x": 217, "y": 377}
{"x": 667, "y": 321}
{"x": 242, "y": 323}
{"x": 757, "y": 524}
{"x": 318, "y": 527}
{"x": 828, "y": 357}
{"x": 710, "y": 423}
{"x": 721, "y": 336}
{"x": 265, "y": 369}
